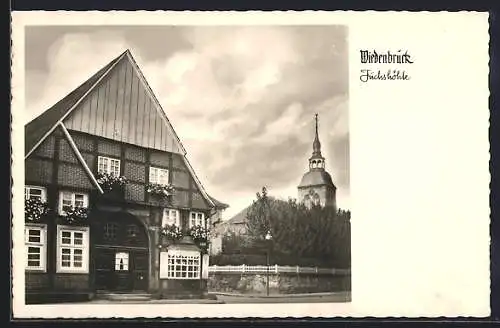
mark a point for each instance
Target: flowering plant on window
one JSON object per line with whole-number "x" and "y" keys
{"x": 201, "y": 236}
{"x": 35, "y": 209}
{"x": 160, "y": 190}
{"x": 199, "y": 233}
{"x": 172, "y": 232}
{"x": 75, "y": 214}
{"x": 109, "y": 181}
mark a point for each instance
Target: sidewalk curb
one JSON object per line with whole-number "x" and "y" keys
{"x": 279, "y": 295}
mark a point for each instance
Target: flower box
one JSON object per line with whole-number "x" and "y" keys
{"x": 160, "y": 190}
{"x": 35, "y": 210}
{"x": 171, "y": 232}
{"x": 110, "y": 182}
{"x": 75, "y": 216}
{"x": 200, "y": 236}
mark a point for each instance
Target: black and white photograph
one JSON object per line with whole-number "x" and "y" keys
{"x": 249, "y": 165}
{"x": 187, "y": 164}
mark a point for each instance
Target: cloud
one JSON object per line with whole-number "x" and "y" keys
{"x": 71, "y": 60}
{"x": 242, "y": 99}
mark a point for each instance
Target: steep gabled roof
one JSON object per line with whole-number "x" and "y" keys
{"x": 218, "y": 204}
{"x": 41, "y": 126}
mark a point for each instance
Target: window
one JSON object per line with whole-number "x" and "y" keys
{"x": 110, "y": 230}
{"x": 72, "y": 249}
{"x": 121, "y": 261}
{"x": 177, "y": 264}
{"x": 108, "y": 165}
{"x": 157, "y": 175}
{"x": 132, "y": 231}
{"x": 196, "y": 219}
{"x": 36, "y": 245}
{"x": 171, "y": 217}
{"x": 68, "y": 199}
{"x": 32, "y": 192}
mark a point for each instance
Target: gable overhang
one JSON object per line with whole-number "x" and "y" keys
{"x": 80, "y": 158}
{"x": 63, "y": 117}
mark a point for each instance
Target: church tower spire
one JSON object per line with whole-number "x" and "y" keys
{"x": 316, "y": 186}
{"x": 316, "y": 143}
{"x": 317, "y": 161}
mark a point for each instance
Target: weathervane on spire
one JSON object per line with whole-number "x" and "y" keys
{"x": 316, "y": 118}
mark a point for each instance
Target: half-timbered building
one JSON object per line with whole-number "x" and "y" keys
{"x": 112, "y": 205}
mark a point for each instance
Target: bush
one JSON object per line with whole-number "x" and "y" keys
{"x": 238, "y": 259}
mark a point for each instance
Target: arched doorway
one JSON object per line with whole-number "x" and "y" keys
{"x": 121, "y": 253}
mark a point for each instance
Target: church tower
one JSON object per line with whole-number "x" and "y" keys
{"x": 316, "y": 186}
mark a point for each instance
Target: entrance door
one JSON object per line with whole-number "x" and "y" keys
{"x": 122, "y": 271}
{"x": 121, "y": 256}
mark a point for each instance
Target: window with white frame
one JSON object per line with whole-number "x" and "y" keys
{"x": 35, "y": 192}
{"x": 180, "y": 264}
{"x": 121, "y": 261}
{"x": 36, "y": 247}
{"x": 157, "y": 175}
{"x": 108, "y": 165}
{"x": 69, "y": 199}
{"x": 72, "y": 249}
{"x": 196, "y": 219}
{"x": 171, "y": 217}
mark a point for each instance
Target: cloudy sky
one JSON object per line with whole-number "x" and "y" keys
{"x": 241, "y": 99}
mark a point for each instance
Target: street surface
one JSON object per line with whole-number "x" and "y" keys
{"x": 319, "y": 298}
{"x": 226, "y": 298}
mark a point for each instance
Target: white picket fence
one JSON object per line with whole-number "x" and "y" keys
{"x": 274, "y": 269}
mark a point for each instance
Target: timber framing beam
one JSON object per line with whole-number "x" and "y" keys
{"x": 80, "y": 158}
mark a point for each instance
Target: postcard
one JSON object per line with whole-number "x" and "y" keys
{"x": 250, "y": 164}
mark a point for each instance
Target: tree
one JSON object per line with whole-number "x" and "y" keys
{"x": 321, "y": 235}
{"x": 260, "y": 214}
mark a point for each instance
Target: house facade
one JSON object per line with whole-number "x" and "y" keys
{"x": 112, "y": 203}
{"x": 236, "y": 225}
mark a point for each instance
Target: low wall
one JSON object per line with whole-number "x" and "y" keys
{"x": 278, "y": 283}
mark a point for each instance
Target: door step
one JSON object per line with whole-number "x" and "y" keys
{"x": 123, "y": 297}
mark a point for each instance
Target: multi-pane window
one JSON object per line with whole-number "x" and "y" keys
{"x": 36, "y": 246}
{"x": 34, "y": 192}
{"x": 196, "y": 219}
{"x": 180, "y": 264}
{"x": 110, "y": 231}
{"x": 108, "y": 165}
{"x": 171, "y": 217}
{"x": 157, "y": 175}
{"x": 72, "y": 249}
{"x": 121, "y": 261}
{"x": 68, "y": 200}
